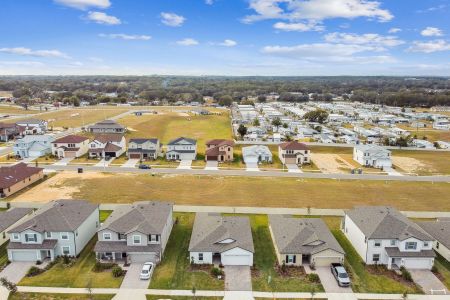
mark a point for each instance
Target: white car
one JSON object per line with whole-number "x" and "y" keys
{"x": 147, "y": 271}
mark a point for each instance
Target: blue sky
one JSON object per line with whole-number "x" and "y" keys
{"x": 225, "y": 37}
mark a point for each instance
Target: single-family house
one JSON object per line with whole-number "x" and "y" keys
{"x": 144, "y": 149}
{"x": 11, "y": 218}
{"x": 440, "y": 232}
{"x": 301, "y": 241}
{"x": 33, "y": 126}
{"x": 17, "y": 177}
{"x": 219, "y": 150}
{"x": 70, "y": 146}
{"x": 60, "y": 228}
{"x": 10, "y": 131}
{"x": 218, "y": 239}
{"x": 33, "y": 146}
{"x": 256, "y": 154}
{"x": 294, "y": 153}
{"x": 372, "y": 155}
{"x": 136, "y": 232}
{"x": 424, "y": 144}
{"x": 107, "y": 126}
{"x": 107, "y": 145}
{"x": 382, "y": 235}
{"x": 181, "y": 149}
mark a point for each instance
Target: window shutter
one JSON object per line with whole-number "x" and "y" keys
{"x": 157, "y": 237}
{"x": 295, "y": 258}
{"x": 287, "y": 259}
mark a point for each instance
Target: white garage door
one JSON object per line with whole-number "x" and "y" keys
{"x": 142, "y": 257}
{"x": 326, "y": 261}
{"x": 236, "y": 260}
{"x": 24, "y": 255}
{"x": 251, "y": 159}
{"x": 418, "y": 263}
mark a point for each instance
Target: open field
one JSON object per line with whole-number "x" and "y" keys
{"x": 14, "y": 110}
{"x": 422, "y": 162}
{"x": 240, "y": 191}
{"x": 38, "y": 296}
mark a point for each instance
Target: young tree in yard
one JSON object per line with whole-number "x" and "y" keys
{"x": 276, "y": 122}
{"x": 256, "y": 122}
{"x": 242, "y": 130}
{"x": 318, "y": 115}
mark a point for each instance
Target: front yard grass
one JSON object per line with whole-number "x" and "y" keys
{"x": 104, "y": 214}
{"x": 443, "y": 267}
{"x": 80, "y": 275}
{"x": 39, "y": 296}
{"x": 264, "y": 260}
{"x": 3, "y": 255}
{"x": 84, "y": 160}
{"x": 174, "y": 270}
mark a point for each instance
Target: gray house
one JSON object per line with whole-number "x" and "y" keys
{"x": 107, "y": 126}
{"x": 61, "y": 227}
{"x": 144, "y": 149}
{"x": 11, "y": 218}
{"x": 181, "y": 149}
{"x": 135, "y": 233}
{"x": 33, "y": 146}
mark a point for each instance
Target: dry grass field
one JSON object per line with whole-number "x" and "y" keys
{"x": 241, "y": 191}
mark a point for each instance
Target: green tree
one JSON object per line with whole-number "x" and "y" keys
{"x": 276, "y": 122}
{"x": 242, "y": 130}
{"x": 256, "y": 122}
{"x": 318, "y": 115}
{"x": 225, "y": 100}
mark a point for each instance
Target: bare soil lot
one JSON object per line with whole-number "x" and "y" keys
{"x": 331, "y": 163}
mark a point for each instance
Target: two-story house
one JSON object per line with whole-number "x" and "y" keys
{"x": 382, "y": 235}
{"x": 33, "y": 146}
{"x": 107, "y": 145}
{"x": 373, "y": 156}
{"x": 135, "y": 233}
{"x": 70, "y": 146}
{"x": 294, "y": 153}
{"x": 11, "y": 218}
{"x": 219, "y": 150}
{"x": 61, "y": 227}
{"x": 33, "y": 126}
{"x": 107, "y": 126}
{"x": 440, "y": 231}
{"x": 144, "y": 149}
{"x": 181, "y": 149}
{"x": 10, "y": 131}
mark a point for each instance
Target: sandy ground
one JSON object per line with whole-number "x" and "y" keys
{"x": 410, "y": 165}
{"x": 331, "y": 163}
{"x": 131, "y": 129}
{"x": 54, "y": 188}
{"x": 182, "y": 114}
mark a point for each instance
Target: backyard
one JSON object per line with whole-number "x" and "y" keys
{"x": 443, "y": 267}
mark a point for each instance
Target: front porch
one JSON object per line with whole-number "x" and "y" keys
{"x": 116, "y": 257}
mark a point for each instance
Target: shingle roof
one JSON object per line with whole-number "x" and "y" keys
{"x": 10, "y": 217}
{"x": 30, "y": 121}
{"x": 111, "y": 148}
{"x": 45, "y": 245}
{"x": 112, "y": 137}
{"x": 148, "y": 217}
{"x": 118, "y": 246}
{"x": 220, "y": 142}
{"x": 177, "y": 140}
{"x": 143, "y": 140}
{"x": 302, "y": 235}
{"x": 384, "y": 222}
{"x": 107, "y": 124}
{"x": 58, "y": 216}
{"x": 13, "y": 174}
{"x": 395, "y": 252}
{"x": 211, "y": 229}
{"x": 294, "y": 145}
{"x": 71, "y": 139}
{"x": 440, "y": 230}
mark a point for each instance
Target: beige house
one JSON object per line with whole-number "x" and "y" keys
{"x": 219, "y": 150}
{"x": 304, "y": 241}
{"x": 17, "y": 177}
{"x": 294, "y": 153}
{"x": 70, "y": 146}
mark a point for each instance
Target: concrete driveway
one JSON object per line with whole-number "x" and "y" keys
{"x": 392, "y": 172}
{"x": 131, "y": 163}
{"x": 293, "y": 168}
{"x": 211, "y": 165}
{"x": 63, "y": 161}
{"x": 131, "y": 279}
{"x": 104, "y": 163}
{"x": 15, "y": 271}
{"x": 237, "y": 278}
{"x": 251, "y": 167}
{"x": 185, "y": 164}
{"x": 429, "y": 283}
{"x": 329, "y": 282}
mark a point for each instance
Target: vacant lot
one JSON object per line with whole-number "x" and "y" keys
{"x": 14, "y": 110}
{"x": 331, "y": 163}
{"x": 422, "y": 162}
{"x": 241, "y": 191}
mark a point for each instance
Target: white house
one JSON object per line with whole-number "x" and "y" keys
{"x": 424, "y": 144}
{"x": 373, "y": 156}
{"x": 256, "y": 154}
{"x": 70, "y": 146}
{"x": 440, "y": 231}
{"x": 382, "y": 235}
{"x": 107, "y": 145}
{"x": 11, "y": 218}
{"x": 33, "y": 146}
{"x": 182, "y": 149}
{"x": 33, "y": 126}
{"x": 218, "y": 239}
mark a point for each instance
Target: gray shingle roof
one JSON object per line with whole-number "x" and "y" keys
{"x": 177, "y": 140}
{"x": 384, "y": 222}
{"x": 211, "y": 229}
{"x": 10, "y": 217}
{"x": 58, "y": 216}
{"x": 115, "y": 246}
{"x": 45, "y": 245}
{"x": 143, "y": 140}
{"x": 395, "y": 252}
{"x": 302, "y": 235}
{"x": 439, "y": 230}
{"x": 147, "y": 217}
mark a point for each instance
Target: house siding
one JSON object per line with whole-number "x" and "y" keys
{"x": 86, "y": 231}
{"x": 207, "y": 257}
{"x": 356, "y": 237}
{"x": 442, "y": 250}
{"x": 23, "y": 184}
{"x": 5, "y": 232}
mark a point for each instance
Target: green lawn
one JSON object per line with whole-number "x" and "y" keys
{"x": 104, "y": 214}
{"x": 264, "y": 261}
{"x": 173, "y": 272}
{"x": 77, "y": 276}
{"x": 38, "y": 296}
{"x": 443, "y": 267}
{"x": 3, "y": 254}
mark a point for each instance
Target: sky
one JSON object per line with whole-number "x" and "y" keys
{"x": 225, "y": 37}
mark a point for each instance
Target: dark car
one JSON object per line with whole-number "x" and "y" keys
{"x": 144, "y": 167}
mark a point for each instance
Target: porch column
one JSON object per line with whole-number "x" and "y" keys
{"x": 52, "y": 255}
{"x": 114, "y": 256}
{"x": 389, "y": 265}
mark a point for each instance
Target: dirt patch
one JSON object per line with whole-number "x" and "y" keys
{"x": 331, "y": 163}
{"x": 410, "y": 165}
{"x": 131, "y": 129}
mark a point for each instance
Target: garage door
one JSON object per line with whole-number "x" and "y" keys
{"x": 135, "y": 155}
{"x": 23, "y": 255}
{"x": 417, "y": 263}
{"x": 70, "y": 154}
{"x": 326, "y": 261}
{"x": 142, "y": 257}
{"x": 236, "y": 260}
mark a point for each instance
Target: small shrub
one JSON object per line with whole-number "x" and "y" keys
{"x": 66, "y": 260}
{"x": 117, "y": 271}
{"x": 216, "y": 272}
{"x": 434, "y": 269}
{"x": 405, "y": 274}
{"x": 314, "y": 278}
{"x": 39, "y": 262}
{"x": 10, "y": 286}
{"x": 34, "y": 271}
{"x": 100, "y": 267}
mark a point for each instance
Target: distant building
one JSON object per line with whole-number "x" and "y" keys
{"x": 33, "y": 126}
{"x": 33, "y": 146}
{"x": 16, "y": 177}
{"x": 373, "y": 156}
{"x": 107, "y": 126}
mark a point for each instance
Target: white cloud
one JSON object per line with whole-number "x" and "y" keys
{"x": 187, "y": 42}
{"x": 316, "y": 10}
{"x": 228, "y": 43}
{"x": 171, "y": 19}
{"x": 394, "y": 30}
{"x": 310, "y": 26}
{"x": 209, "y": 2}
{"x": 22, "y": 63}
{"x": 431, "y": 31}
{"x": 430, "y": 46}
{"x": 102, "y": 18}
{"x": 126, "y": 36}
{"x": 37, "y": 53}
{"x": 84, "y": 4}
{"x": 373, "y": 39}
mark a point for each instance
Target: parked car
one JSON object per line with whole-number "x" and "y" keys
{"x": 147, "y": 271}
{"x": 142, "y": 166}
{"x": 340, "y": 275}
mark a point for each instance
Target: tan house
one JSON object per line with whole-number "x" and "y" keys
{"x": 294, "y": 153}
{"x": 219, "y": 150}
{"x": 307, "y": 241}
{"x": 70, "y": 146}
{"x": 17, "y": 177}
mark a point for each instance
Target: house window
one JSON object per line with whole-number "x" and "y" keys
{"x": 15, "y": 236}
{"x": 410, "y": 245}
{"x": 122, "y": 237}
{"x": 377, "y": 243}
{"x": 393, "y": 242}
{"x": 200, "y": 256}
{"x": 425, "y": 244}
{"x": 154, "y": 238}
{"x": 48, "y": 235}
{"x": 31, "y": 237}
{"x": 64, "y": 236}
{"x": 4, "y": 235}
{"x": 107, "y": 236}
{"x": 96, "y": 224}
{"x": 376, "y": 257}
{"x": 290, "y": 259}
{"x": 65, "y": 250}
{"x": 136, "y": 239}
{"x": 437, "y": 245}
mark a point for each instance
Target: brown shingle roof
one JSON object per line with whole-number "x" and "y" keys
{"x": 294, "y": 145}
{"x": 13, "y": 174}
{"x": 220, "y": 142}
{"x": 71, "y": 139}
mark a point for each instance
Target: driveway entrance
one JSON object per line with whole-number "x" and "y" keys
{"x": 328, "y": 281}
{"x": 429, "y": 283}
{"x": 292, "y": 168}
{"x": 185, "y": 164}
{"x": 16, "y": 270}
{"x": 237, "y": 278}
{"x": 211, "y": 165}
{"x": 131, "y": 279}
{"x": 251, "y": 166}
